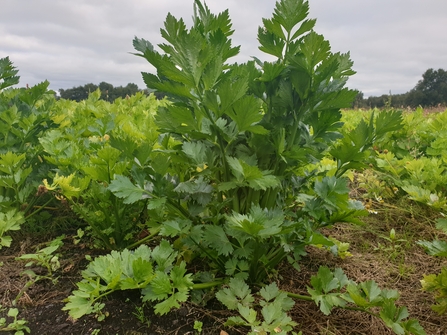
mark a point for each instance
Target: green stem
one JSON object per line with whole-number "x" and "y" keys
{"x": 180, "y": 210}
{"x": 143, "y": 240}
{"x": 95, "y": 229}
{"x": 28, "y": 284}
{"x": 204, "y": 286}
{"x": 299, "y": 296}
{"x": 39, "y": 209}
{"x": 118, "y": 232}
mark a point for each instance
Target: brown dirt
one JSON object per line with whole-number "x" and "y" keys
{"x": 41, "y": 304}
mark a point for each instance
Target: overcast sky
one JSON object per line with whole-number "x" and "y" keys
{"x": 72, "y": 43}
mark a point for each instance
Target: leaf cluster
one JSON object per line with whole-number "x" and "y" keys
{"x": 274, "y": 304}
{"x": 18, "y": 326}
{"x": 152, "y": 270}
{"x": 333, "y": 289}
{"x": 10, "y": 220}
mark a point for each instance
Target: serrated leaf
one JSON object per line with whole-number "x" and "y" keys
{"x": 435, "y": 248}
{"x": 356, "y": 295}
{"x": 154, "y": 203}
{"x": 246, "y": 112}
{"x": 237, "y": 293}
{"x": 164, "y": 255}
{"x": 123, "y": 188}
{"x": 142, "y": 270}
{"x": 271, "y": 312}
{"x": 392, "y": 316}
{"x": 165, "y": 306}
{"x": 441, "y": 224}
{"x": 159, "y": 289}
{"x": 234, "y": 321}
{"x": 413, "y": 327}
{"x": 197, "y": 151}
{"x": 372, "y": 290}
{"x": 140, "y": 44}
{"x": 180, "y": 280}
{"x": 175, "y": 228}
{"x": 325, "y": 280}
{"x": 217, "y": 239}
{"x": 77, "y": 306}
{"x": 269, "y": 292}
{"x": 248, "y": 314}
{"x": 290, "y": 12}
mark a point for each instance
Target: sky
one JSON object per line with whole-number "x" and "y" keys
{"x": 72, "y": 43}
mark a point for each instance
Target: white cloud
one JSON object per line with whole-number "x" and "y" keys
{"x": 72, "y": 43}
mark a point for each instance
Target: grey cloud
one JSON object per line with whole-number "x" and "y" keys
{"x": 71, "y": 43}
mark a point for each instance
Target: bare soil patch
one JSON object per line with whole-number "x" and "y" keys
{"x": 41, "y": 304}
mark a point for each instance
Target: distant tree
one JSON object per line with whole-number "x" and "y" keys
{"x": 108, "y": 92}
{"x": 358, "y": 101}
{"x": 431, "y": 90}
{"x": 78, "y": 93}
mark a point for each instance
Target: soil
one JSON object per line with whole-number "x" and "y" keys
{"x": 41, "y": 305}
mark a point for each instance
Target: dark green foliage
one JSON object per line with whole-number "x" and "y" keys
{"x": 8, "y": 73}
{"x": 241, "y": 136}
{"x": 24, "y": 117}
{"x": 108, "y": 91}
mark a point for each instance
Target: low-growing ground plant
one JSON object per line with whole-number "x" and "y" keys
{"x": 18, "y": 326}
{"x": 45, "y": 258}
{"x": 437, "y": 283}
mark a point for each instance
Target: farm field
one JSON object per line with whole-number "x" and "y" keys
{"x": 250, "y": 200}
{"x": 383, "y": 248}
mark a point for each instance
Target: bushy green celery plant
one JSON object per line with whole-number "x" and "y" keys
{"x": 95, "y": 141}
{"x": 113, "y": 223}
{"x": 421, "y": 176}
{"x": 243, "y": 133}
{"x": 24, "y": 116}
{"x": 225, "y": 177}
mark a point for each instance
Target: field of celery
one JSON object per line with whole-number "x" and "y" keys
{"x": 58, "y": 163}
{"x": 248, "y": 201}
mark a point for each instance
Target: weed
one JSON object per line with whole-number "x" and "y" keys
{"x": 44, "y": 258}
{"x": 139, "y": 314}
{"x": 18, "y": 326}
{"x": 198, "y": 325}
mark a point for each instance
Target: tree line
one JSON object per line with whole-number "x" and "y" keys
{"x": 108, "y": 91}
{"x": 430, "y": 91}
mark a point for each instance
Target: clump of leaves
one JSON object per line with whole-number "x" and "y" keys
{"x": 153, "y": 271}
{"x": 95, "y": 141}
{"x": 333, "y": 289}
{"x": 275, "y": 303}
{"x": 18, "y": 326}
{"x": 11, "y": 220}
{"x": 24, "y": 116}
{"x": 436, "y": 283}
{"x": 244, "y": 132}
{"x": 8, "y": 73}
